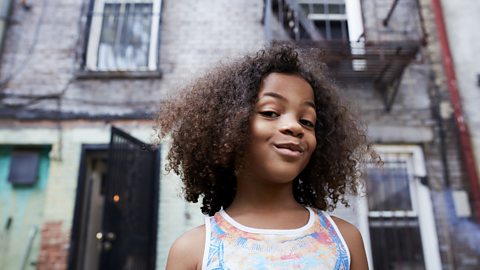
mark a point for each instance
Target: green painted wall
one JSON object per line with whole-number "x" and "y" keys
{"x": 25, "y": 206}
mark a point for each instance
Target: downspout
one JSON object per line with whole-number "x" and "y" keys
{"x": 465, "y": 142}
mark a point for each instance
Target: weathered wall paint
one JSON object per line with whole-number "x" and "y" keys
{"x": 24, "y": 206}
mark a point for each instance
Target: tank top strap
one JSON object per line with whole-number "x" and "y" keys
{"x": 208, "y": 229}
{"x": 327, "y": 222}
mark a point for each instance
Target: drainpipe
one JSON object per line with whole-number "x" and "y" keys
{"x": 465, "y": 142}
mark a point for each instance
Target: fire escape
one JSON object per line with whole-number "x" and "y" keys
{"x": 379, "y": 53}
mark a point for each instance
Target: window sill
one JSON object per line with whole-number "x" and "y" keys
{"x": 85, "y": 74}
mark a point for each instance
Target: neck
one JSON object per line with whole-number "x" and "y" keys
{"x": 263, "y": 196}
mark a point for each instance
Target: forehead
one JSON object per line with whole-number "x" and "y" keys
{"x": 290, "y": 86}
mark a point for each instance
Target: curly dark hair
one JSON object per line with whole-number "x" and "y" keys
{"x": 208, "y": 123}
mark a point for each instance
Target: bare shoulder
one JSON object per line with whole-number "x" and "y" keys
{"x": 354, "y": 241}
{"x": 186, "y": 253}
{"x": 348, "y": 230}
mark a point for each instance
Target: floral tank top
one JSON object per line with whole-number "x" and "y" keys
{"x": 317, "y": 245}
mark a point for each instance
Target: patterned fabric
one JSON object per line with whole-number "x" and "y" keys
{"x": 317, "y": 245}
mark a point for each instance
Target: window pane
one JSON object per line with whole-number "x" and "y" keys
{"x": 336, "y": 9}
{"x": 125, "y": 37}
{"x": 323, "y": 8}
{"x": 322, "y": 28}
{"x": 333, "y": 30}
{"x": 388, "y": 187}
{"x": 313, "y": 8}
{"x": 106, "y": 48}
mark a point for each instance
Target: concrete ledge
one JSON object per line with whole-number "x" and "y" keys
{"x": 399, "y": 134}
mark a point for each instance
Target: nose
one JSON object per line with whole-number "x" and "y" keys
{"x": 292, "y": 127}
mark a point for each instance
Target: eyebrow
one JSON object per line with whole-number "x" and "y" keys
{"x": 278, "y": 96}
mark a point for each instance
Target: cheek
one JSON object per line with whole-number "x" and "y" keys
{"x": 258, "y": 130}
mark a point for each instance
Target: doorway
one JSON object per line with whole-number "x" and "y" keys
{"x": 116, "y": 208}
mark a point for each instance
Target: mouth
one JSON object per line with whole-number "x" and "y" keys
{"x": 289, "y": 149}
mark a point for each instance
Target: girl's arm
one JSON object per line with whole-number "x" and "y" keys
{"x": 354, "y": 241}
{"x": 186, "y": 252}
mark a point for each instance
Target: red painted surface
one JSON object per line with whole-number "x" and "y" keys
{"x": 465, "y": 142}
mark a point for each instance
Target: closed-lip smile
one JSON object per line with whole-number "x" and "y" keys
{"x": 289, "y": 149}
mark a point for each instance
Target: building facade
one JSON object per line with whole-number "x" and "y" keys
{"x": 462, "y": 45}
{"x": 70, "y": 70}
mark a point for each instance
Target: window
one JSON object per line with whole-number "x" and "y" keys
{"x": 338, "y": 20}
{"x": 24, "y": 167}
{"x": 324, "y": 20}
{"x": 123, "y": 35}
{"x": 335, "y": 20}
{"x": 328, "y": 17}
{"x": 398, "y": 225}
{"x": 394, "y": 226}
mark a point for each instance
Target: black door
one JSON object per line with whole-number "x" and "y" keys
{"x": 131, "y": 205}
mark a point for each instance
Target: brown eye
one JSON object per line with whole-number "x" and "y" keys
{"x": 270, "y": 114}
{"x": 307, "y": 123}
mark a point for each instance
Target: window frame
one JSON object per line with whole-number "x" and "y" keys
{"x": 95, "y": 29}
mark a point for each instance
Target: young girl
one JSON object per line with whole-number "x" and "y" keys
{"x": 267, "y": 146}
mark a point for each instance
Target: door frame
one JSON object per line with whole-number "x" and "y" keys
{"x": 428, "y": 231}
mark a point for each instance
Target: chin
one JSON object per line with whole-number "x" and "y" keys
{"x": 290, "y": 171}
{"x": 284, "y": 176}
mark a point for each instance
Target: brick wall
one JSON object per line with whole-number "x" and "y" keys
{"x": 53, "y": 246}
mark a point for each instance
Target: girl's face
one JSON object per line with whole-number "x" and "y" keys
{"x": 282, "y": 129}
